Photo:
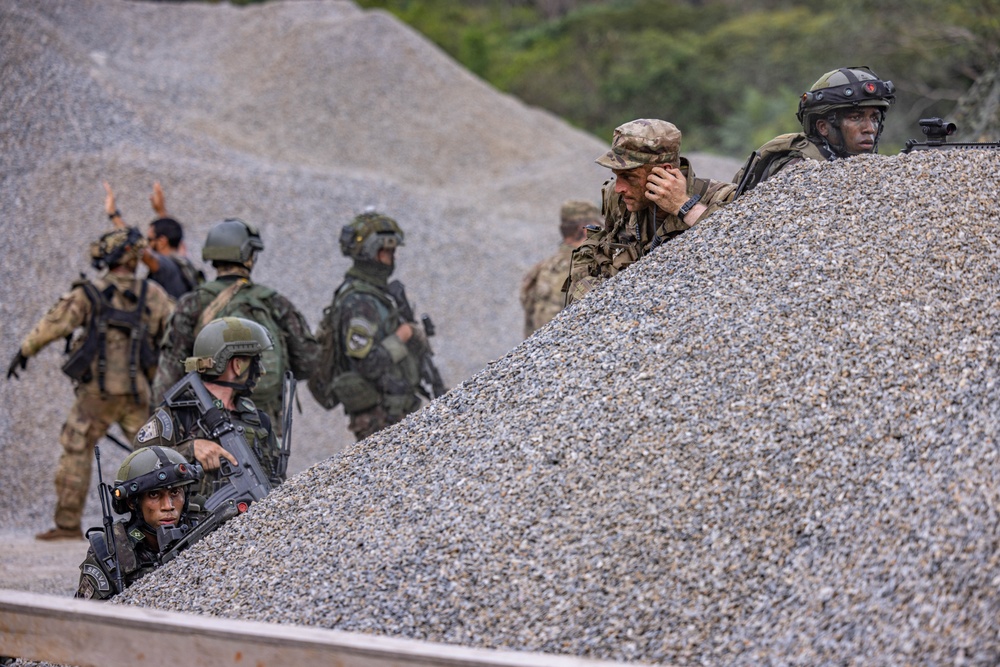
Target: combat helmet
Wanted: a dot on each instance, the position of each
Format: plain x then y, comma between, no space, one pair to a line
847,87
234,241
117,247
368,233
147,469
222,339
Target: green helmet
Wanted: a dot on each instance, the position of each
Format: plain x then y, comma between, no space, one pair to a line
368,233
844,88
222,339
232,240
147,469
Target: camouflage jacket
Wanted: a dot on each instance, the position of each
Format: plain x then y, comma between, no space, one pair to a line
135,558
177,428
627,237
367,317
541,289
294,342
73,311
775,155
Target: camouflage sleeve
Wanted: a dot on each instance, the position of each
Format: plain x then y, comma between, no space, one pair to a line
161,309
368,348
178,342
70,312
585,266
302,346
163,430
716,195
95,583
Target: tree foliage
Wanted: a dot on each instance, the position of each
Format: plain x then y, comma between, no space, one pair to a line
727,72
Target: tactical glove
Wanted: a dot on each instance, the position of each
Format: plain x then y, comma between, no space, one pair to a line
18,360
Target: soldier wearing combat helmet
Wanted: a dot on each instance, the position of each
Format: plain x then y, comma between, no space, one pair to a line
375,349
842,115
541,289
654,197
227,358
152,486
119,321
232,246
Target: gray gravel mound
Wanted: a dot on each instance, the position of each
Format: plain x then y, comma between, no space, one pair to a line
294,116
774,441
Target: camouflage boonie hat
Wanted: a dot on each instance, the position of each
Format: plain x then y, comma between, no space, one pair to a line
117,247
643,141
579,212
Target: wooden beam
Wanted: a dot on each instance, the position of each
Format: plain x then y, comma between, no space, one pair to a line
85,633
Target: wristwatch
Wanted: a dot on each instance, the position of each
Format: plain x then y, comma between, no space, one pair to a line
688,205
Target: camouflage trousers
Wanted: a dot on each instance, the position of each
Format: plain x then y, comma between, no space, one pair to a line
88,420
363,424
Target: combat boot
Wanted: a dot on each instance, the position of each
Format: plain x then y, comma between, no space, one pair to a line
58,533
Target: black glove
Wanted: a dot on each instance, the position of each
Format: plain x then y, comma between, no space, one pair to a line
18,360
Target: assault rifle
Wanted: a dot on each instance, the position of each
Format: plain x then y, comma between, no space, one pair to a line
429,374
241,485
287,399
111,560
937,132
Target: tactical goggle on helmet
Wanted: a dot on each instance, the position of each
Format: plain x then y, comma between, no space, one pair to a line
368,233
844,87
148,469
116,247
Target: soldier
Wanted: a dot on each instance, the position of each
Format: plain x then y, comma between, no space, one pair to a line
232,246
841,115
541,290
227,357
152,487
654,197
167,266
376,352
122,320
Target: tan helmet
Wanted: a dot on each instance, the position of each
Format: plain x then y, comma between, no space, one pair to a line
117,247
844,88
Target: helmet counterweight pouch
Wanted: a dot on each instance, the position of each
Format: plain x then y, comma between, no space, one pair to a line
355,392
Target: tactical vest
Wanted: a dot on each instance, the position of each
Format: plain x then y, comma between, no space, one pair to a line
253,302
773,156
334,381
80,365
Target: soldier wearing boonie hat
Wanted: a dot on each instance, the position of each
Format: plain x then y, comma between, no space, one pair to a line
654,197
541,289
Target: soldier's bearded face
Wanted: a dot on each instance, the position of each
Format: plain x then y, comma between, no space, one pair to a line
631,185
162,507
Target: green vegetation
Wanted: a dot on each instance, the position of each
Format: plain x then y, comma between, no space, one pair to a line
727,72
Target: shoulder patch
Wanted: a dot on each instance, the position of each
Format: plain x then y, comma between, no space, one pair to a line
246,405
136,535
360,337
93,572
148,431
166,425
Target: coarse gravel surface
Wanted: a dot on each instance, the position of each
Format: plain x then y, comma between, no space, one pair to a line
295,116
773,441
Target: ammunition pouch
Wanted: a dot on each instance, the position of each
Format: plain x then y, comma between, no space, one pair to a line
355,392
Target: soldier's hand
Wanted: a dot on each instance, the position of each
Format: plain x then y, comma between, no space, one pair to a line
110,207
18,360
208,453
667,188
404,332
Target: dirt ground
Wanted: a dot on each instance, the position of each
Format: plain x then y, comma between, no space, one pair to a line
27,564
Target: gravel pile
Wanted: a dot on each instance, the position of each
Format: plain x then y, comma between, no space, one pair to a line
294,116
774,441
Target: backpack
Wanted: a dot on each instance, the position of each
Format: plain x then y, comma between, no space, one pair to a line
331,383
246,299
772,157
103,315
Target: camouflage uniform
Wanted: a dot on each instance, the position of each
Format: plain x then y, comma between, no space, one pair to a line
367,318
177,428
627,237
95,410
293,340
542,294
96,582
